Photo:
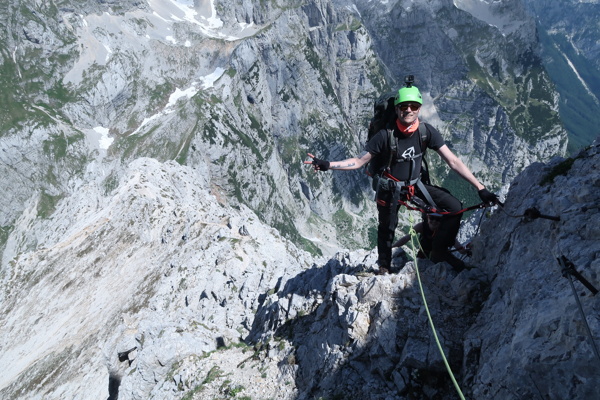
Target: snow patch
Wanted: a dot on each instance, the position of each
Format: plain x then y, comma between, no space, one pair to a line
105,141
484,11
14,57
178,94
581,80
203,14
108,53
209,80
169,108
206,82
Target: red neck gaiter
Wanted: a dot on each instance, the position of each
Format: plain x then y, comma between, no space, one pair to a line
408,130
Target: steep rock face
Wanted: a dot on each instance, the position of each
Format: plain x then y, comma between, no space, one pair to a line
538,336
357,335
510,328
168,278
306,93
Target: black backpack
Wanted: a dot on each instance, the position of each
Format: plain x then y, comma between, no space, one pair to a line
384,114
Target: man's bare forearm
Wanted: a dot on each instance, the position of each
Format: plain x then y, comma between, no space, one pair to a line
346,164
351,163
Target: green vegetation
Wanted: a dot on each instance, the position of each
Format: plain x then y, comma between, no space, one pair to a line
285,225
462,190
4,234
182,156
47,204
376,75
159,95
343,221
372,234
56,147
354,25
231,72
25,81
213,374
110,183
527,100
560,169
61,94
315,61
127,146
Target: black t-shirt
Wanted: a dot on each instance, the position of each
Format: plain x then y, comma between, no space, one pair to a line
406,165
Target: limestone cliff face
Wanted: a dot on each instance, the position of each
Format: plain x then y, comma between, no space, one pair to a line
253,91
531,319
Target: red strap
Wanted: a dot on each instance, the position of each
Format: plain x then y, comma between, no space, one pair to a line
411,191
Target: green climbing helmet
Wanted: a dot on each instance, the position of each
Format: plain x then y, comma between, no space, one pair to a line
408,94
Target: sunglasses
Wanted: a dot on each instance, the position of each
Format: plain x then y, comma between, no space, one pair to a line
412,106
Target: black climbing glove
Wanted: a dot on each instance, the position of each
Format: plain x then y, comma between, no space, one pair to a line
488,197
320,165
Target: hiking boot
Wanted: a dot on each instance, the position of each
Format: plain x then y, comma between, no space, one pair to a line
384,267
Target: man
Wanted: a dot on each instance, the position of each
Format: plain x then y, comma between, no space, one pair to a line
400,173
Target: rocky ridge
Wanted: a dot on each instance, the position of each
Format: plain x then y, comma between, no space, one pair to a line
177,295
160,265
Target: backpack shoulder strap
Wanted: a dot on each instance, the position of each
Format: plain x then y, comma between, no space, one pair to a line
424,137
393,147
424,134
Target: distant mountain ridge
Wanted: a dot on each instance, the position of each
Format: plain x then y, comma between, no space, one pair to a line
171,80
571,55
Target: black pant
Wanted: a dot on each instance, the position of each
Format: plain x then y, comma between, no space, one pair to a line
388,221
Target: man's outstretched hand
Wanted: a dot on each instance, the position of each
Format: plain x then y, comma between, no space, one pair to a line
318,165
489,198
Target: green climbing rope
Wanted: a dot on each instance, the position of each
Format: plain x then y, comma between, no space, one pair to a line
413,238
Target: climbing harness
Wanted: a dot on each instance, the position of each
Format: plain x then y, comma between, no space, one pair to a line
569,271
413,237
403,194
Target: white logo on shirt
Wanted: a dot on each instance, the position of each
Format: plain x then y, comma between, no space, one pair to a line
409,153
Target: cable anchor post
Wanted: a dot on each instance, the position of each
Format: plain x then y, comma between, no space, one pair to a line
533,213
569,271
